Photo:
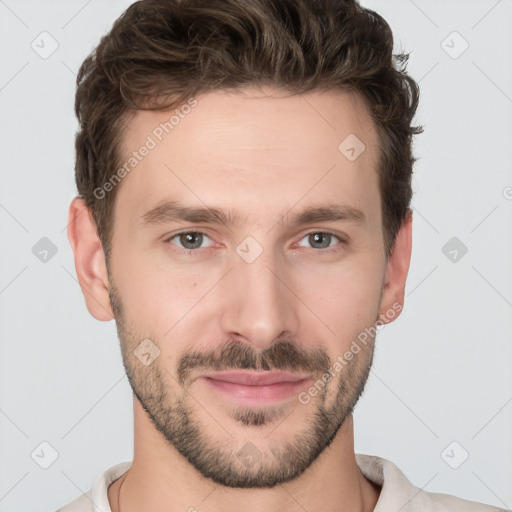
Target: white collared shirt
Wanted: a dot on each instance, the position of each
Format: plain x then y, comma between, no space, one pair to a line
397,493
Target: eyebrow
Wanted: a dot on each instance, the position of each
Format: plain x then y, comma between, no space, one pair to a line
172,211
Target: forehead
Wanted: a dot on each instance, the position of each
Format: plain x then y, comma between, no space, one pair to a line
251,147
256,115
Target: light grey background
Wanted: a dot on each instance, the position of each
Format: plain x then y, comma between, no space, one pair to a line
442,372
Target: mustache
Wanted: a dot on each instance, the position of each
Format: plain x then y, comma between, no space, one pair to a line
282,355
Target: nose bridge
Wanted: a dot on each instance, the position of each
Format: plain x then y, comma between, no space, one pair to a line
259,307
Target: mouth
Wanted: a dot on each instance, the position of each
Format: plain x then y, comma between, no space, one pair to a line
256,386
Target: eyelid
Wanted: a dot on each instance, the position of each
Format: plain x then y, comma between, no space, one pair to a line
169,238
341,238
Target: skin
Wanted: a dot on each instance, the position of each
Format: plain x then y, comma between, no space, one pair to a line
266,155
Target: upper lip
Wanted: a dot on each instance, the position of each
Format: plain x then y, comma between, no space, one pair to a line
258,378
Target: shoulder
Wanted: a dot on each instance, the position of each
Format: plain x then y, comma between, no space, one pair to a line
397,493
96,499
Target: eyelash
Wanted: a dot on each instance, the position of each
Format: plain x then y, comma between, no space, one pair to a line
192,252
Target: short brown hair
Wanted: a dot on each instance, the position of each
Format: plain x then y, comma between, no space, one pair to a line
159,53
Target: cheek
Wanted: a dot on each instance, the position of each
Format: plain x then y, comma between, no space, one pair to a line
345,296
158,296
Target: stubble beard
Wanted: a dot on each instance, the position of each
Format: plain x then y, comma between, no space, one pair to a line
234,462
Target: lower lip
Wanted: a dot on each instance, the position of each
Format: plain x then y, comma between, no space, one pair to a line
256,394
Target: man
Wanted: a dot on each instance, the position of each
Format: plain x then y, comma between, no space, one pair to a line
244,178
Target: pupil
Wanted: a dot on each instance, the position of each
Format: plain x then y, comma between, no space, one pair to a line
187,240
321,239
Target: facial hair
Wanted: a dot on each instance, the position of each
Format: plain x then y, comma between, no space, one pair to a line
172,408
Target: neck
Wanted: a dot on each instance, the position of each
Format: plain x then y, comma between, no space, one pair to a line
160,479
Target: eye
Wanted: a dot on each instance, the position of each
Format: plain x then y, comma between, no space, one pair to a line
321,240
189,240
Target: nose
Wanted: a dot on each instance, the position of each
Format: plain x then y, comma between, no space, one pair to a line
258,306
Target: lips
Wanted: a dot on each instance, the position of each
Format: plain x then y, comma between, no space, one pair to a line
259,378
255,387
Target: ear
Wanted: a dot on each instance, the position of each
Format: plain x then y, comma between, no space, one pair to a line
90,264
392,301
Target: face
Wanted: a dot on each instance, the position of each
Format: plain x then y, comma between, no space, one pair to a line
247,243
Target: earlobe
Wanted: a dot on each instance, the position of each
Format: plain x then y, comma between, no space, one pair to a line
396,273
89,259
